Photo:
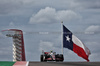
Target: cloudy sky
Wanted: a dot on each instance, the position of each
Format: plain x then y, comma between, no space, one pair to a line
40,20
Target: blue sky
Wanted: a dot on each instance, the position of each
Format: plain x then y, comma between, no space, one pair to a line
41,24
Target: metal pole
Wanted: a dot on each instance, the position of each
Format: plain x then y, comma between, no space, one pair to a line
62,36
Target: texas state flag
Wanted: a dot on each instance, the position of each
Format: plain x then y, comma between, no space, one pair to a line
71,42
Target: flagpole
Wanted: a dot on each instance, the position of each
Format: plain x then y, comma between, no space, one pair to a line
62,36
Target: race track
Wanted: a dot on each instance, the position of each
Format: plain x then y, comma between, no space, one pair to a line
64,64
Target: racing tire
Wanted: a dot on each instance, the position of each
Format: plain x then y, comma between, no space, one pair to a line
59,56
41,58
62,57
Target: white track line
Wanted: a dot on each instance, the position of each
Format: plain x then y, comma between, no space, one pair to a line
27,63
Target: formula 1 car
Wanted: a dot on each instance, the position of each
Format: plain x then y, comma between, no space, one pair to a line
51,56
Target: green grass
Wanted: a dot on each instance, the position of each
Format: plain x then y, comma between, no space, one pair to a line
6,63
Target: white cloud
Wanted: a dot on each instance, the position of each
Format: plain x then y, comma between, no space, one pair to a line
50,15
93,28
44,15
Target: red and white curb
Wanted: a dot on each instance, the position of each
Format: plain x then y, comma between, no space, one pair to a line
21,63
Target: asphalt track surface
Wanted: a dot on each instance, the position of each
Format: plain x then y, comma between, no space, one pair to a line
64,64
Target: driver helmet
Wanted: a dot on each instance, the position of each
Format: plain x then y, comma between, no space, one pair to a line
51,51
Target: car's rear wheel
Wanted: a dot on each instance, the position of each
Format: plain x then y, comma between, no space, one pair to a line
57,56
41,58
62,57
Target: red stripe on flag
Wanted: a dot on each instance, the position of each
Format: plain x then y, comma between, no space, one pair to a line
80,52
20,63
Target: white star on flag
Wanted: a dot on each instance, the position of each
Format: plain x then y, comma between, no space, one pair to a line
67,38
